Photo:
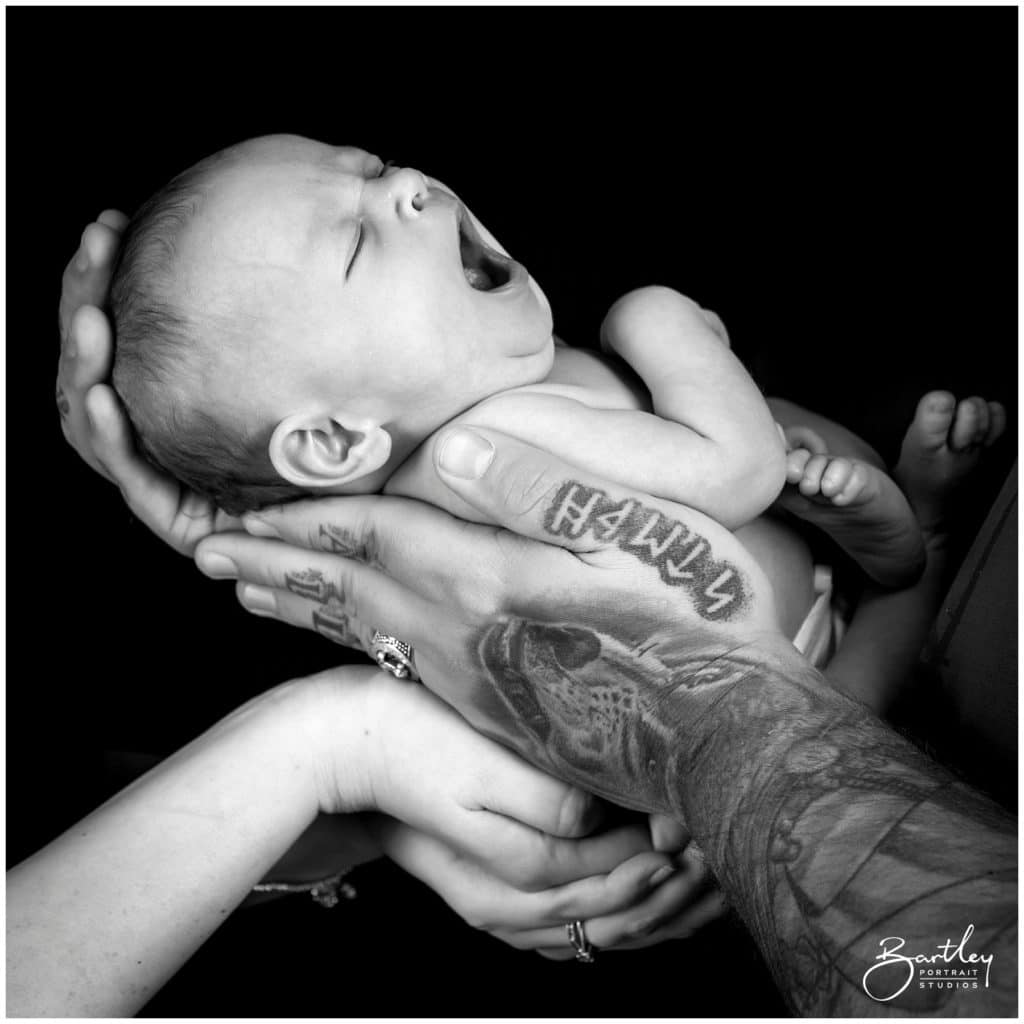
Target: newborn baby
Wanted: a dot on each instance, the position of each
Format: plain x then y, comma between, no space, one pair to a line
297,318
294,318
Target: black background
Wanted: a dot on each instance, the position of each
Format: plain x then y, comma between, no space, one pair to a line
838,184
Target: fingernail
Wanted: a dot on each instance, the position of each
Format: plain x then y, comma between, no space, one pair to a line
465,454
258,599
661,874
218,567
259,527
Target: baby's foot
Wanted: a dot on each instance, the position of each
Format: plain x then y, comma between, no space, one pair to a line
940,450
859,507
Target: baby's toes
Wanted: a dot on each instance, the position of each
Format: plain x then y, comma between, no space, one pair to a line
810,482
795,462
854,485
970,424
933,419
996,423
836,476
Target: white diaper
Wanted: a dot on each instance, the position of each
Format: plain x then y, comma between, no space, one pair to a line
819,634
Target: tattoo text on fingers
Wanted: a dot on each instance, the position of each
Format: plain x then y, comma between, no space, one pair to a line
682,556
329,620
340,541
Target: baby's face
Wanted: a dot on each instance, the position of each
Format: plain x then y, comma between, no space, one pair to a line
357,284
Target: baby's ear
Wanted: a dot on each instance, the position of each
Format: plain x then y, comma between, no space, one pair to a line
324,451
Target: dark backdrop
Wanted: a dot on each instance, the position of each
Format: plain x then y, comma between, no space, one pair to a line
838,184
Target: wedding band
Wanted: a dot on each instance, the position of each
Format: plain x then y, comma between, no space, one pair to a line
392,655
578,941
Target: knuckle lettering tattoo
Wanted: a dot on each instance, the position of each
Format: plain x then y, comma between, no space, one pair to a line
340,541
682,557
330,619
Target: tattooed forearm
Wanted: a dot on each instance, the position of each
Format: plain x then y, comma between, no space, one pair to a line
828,831
682,557
330,619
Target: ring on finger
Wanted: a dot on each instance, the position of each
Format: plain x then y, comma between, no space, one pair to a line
578,940
393,655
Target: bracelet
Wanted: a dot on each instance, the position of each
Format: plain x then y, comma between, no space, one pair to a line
325,891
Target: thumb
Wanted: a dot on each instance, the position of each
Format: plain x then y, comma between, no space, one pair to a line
523,489
536,495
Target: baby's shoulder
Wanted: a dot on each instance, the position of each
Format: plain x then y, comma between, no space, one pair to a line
589,378
568,415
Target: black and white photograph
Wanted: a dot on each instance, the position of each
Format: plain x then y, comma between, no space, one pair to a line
512,512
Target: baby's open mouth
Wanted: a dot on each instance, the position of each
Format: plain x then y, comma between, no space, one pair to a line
485,269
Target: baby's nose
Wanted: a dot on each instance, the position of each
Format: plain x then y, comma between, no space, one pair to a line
407,188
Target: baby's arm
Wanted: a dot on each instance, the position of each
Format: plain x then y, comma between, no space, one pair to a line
716,446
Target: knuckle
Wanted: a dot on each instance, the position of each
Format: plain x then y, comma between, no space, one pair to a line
522,491
528,875
574,813
562,906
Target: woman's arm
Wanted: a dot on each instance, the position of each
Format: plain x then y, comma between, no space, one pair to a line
102,917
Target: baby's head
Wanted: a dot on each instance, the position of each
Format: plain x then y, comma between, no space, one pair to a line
293,317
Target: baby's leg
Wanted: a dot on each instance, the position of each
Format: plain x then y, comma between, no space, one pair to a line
940,451
836,481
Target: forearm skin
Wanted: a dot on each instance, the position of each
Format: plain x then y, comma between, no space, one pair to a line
828,832
99,919
831,834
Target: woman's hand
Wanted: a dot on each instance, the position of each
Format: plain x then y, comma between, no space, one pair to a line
93,420
408,755
643,901
565,651
503,843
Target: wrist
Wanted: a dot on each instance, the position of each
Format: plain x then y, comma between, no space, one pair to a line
330,719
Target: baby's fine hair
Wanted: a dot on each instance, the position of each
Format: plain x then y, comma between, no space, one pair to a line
160,353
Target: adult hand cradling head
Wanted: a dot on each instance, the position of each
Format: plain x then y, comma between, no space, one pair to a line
564,638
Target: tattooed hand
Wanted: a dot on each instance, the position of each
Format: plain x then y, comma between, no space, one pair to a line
634,652
636,587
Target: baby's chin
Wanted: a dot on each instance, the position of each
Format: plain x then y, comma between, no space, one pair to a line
531,367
